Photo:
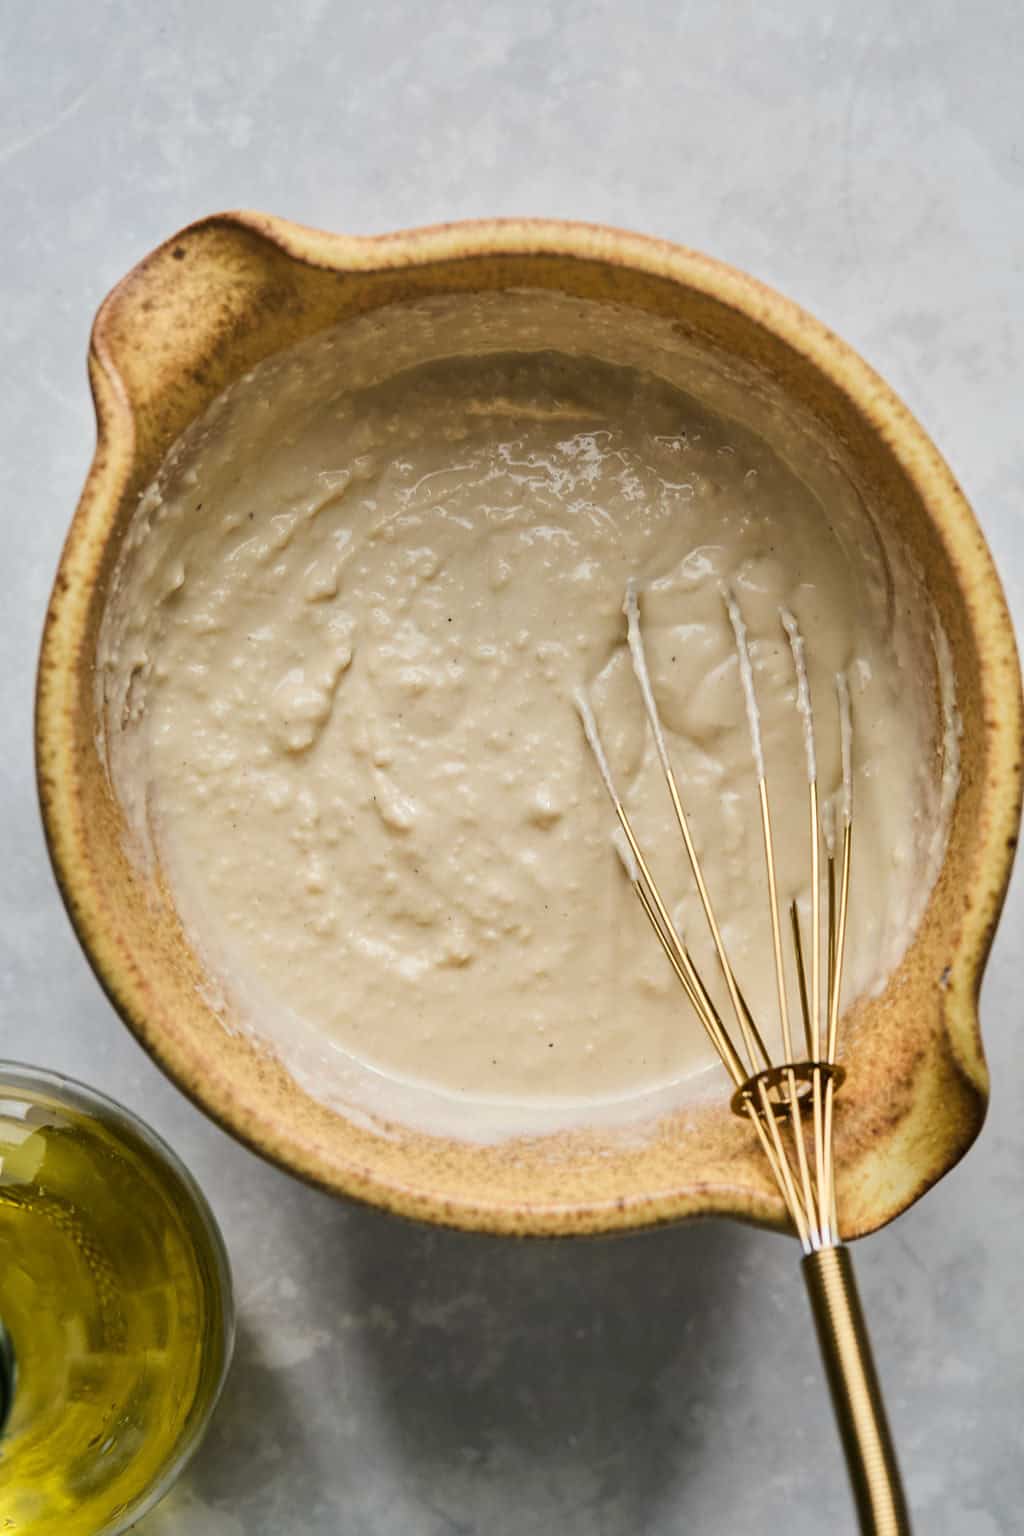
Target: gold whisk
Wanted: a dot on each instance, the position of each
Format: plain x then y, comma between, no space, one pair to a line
790,1103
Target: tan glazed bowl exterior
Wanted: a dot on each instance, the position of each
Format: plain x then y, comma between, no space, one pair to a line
229,291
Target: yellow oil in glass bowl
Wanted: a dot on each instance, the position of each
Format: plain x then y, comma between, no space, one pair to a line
115,1295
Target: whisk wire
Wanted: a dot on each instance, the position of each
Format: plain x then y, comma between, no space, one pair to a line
653,904
709,1018
838,944
666,931
814,1032
773,910
838,926
767,1115
754,1044
801,979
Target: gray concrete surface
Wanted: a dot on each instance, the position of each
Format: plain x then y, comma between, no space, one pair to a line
867,159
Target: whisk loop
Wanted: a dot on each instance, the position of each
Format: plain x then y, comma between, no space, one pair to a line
774,1095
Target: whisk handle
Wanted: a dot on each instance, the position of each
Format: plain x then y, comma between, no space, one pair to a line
856,1394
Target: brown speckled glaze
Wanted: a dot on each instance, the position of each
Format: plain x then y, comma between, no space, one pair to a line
229,291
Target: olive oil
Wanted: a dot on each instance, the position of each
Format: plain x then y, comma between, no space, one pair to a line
115,1297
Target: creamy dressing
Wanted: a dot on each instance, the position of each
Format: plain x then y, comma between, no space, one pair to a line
339,672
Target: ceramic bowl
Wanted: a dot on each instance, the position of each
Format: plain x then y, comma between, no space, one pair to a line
233,289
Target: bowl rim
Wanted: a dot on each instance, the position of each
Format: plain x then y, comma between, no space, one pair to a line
842,367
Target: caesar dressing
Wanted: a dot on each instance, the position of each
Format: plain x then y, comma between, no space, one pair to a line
339,668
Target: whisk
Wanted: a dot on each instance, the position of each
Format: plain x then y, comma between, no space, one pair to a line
790,1102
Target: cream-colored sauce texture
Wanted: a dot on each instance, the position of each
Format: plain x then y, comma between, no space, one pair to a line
337,675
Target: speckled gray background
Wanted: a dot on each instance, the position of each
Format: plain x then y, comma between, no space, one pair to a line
867,159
